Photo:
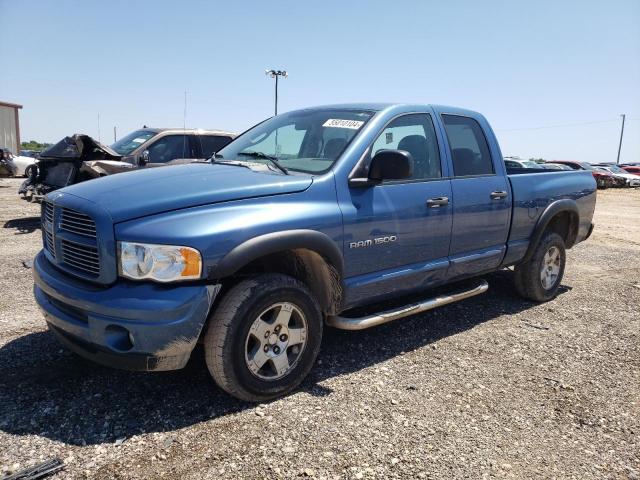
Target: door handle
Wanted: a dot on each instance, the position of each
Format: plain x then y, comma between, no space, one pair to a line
437,202
498,195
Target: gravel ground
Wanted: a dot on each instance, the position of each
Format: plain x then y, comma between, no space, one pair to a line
490,387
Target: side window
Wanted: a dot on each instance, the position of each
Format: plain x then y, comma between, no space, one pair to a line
415,134
169,148
469,148
212,143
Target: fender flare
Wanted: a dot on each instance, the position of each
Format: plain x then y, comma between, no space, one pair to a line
275,242
553,209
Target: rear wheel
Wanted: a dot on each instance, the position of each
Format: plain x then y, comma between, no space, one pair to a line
539,278
263,337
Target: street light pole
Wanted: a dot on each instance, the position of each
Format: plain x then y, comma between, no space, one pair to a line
620,144
275,74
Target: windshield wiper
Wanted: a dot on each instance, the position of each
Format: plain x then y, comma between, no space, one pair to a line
263,155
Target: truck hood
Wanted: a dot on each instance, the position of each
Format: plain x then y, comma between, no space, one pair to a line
154,190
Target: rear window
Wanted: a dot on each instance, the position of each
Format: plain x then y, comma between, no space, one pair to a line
469,148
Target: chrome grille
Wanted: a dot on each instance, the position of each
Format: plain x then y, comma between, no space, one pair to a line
78,223
81,257
48,243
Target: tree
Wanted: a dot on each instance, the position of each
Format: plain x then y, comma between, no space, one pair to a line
33,145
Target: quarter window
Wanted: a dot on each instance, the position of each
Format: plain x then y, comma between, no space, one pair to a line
212,143
469,148
415,134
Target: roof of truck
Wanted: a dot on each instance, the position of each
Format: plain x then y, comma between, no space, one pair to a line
377,106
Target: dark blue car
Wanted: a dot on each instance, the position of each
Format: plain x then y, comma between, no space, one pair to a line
289,228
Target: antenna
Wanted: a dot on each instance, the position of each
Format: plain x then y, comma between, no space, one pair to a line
184,117
184,126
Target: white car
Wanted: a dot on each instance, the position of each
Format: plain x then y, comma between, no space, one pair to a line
630,179
512,162
22,163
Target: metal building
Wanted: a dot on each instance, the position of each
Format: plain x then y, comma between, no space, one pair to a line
10,126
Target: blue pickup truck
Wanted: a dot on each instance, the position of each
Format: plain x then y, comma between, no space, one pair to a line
293,226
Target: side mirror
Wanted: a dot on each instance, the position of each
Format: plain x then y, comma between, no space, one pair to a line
391,165
144,158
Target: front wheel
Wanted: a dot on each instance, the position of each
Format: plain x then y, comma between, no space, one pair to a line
263,337
539,278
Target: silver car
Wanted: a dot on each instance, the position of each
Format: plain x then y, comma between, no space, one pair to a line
153,147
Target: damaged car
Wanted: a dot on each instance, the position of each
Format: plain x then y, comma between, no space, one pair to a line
80,157
7,165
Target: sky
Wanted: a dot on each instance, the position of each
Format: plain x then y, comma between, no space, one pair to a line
551,77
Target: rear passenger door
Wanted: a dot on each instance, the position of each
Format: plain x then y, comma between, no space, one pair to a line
481,198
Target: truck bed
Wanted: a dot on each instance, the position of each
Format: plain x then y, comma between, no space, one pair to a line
533,190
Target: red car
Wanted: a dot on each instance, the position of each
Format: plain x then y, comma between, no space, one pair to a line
631,169
603,179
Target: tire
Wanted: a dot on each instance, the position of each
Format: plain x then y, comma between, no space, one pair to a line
530,281
243,326
30,171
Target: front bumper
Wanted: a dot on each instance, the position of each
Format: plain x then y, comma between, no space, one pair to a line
130,325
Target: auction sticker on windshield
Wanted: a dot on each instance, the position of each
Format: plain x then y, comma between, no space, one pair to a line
340,123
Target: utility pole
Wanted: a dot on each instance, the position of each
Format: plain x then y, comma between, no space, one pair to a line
115,137
275,74
99,127
620,144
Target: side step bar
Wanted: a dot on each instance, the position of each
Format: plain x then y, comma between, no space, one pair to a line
346,323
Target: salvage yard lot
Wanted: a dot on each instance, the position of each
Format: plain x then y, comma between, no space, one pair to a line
492,386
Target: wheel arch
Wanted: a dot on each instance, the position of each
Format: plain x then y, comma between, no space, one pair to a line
308,255
562,217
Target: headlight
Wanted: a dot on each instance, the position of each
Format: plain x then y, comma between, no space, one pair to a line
162,263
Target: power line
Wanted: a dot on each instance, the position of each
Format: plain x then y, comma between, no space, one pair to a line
558,125
595,122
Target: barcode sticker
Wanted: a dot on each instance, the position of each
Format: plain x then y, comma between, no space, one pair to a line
340,123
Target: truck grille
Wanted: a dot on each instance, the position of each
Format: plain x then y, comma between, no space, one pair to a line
48,243
81,257
70,238
76,222
48,212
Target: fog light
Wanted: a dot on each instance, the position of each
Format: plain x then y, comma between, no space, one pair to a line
118,338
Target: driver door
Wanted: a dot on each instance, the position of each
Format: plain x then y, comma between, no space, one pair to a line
397,233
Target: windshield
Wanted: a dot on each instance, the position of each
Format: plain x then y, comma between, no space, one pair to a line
617,169
128,144
307,141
